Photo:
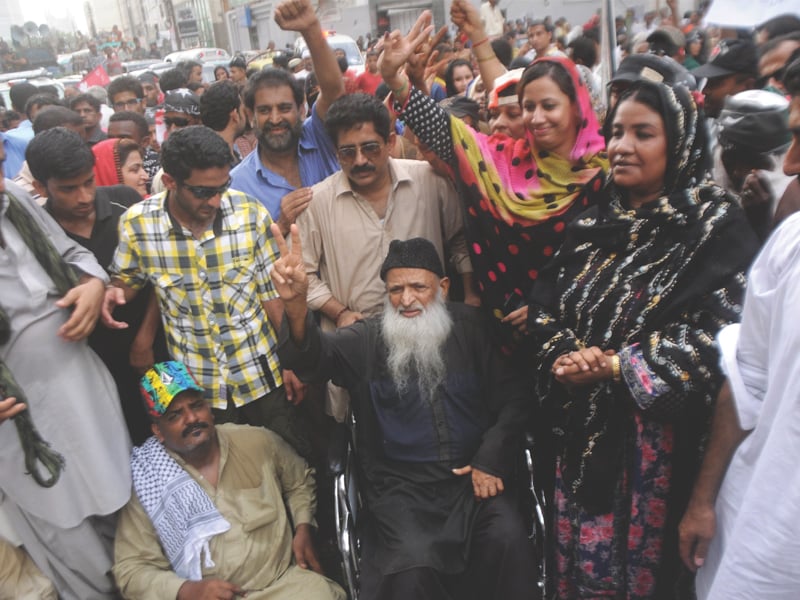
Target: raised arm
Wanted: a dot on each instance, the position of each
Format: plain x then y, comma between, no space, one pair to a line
465,16
299,16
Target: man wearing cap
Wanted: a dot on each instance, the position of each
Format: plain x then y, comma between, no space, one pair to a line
292,154
217,512
753,137
741,530
732,68
439,417
207,252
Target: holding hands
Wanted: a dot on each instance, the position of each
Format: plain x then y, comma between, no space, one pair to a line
586,366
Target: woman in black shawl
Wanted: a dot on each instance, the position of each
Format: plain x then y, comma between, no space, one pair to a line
625,318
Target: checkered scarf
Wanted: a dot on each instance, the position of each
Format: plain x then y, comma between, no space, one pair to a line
183,515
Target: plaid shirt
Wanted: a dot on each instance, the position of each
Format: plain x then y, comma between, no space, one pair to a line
210,291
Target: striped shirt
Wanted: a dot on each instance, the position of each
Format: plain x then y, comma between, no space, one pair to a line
210,291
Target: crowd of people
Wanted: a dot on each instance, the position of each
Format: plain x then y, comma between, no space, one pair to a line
475,239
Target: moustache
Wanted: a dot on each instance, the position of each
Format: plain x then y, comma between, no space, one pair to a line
362,169
193,427
268,127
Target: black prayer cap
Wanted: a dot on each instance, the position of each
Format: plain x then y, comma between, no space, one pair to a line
416,253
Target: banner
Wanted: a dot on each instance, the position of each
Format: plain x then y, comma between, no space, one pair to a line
747,13
98,76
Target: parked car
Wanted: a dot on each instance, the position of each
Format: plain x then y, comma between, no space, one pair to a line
198,54
38,77
337,41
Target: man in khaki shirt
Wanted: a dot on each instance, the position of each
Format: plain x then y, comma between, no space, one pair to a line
356,213
223,531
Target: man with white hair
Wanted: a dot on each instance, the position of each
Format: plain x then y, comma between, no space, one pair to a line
440,417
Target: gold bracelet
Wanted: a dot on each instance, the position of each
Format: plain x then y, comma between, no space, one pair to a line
616,369
485,58
402,89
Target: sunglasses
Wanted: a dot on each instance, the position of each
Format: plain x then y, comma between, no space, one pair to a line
370,150
123,104
176,121
202,192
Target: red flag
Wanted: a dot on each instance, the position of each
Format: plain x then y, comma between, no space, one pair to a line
98,76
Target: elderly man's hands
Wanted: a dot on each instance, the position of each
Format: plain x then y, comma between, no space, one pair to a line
303,549
87,298
483,484
289,272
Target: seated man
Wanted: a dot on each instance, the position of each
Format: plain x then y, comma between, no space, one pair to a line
433,404
208,517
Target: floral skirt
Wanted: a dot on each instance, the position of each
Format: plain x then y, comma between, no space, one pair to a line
619,554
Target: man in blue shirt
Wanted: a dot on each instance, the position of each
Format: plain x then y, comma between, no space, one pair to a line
292,155
16,140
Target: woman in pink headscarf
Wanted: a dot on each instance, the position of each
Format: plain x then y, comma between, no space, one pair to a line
119,161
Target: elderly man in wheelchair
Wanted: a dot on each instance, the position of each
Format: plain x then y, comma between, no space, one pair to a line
440,420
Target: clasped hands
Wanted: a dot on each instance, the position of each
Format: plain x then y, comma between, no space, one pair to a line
582,367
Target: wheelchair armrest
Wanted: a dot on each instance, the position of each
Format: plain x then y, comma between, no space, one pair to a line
337,449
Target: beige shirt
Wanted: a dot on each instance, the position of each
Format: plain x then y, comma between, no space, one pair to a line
346,243
492,19
258,472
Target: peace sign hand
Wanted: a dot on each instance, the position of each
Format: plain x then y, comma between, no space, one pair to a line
289,271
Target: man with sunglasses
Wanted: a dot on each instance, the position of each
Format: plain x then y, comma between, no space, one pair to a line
207,251
358,211
181,109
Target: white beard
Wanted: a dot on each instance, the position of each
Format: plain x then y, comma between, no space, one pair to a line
415,344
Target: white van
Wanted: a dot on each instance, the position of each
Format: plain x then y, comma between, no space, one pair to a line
355,59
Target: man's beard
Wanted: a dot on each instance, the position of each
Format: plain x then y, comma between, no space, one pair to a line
415,345
283,142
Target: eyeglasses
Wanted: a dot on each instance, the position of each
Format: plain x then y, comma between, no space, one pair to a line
202,192
122,104
176,121
370,150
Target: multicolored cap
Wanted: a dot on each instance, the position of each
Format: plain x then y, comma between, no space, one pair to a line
162,383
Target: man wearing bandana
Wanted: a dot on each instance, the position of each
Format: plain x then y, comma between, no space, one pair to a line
181,109
217,512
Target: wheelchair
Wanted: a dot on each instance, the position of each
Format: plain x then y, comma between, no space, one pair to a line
347,505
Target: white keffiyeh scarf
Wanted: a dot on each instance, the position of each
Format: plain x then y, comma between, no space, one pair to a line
183,515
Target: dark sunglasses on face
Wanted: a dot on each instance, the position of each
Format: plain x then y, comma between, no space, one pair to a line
176,121
370,150
202,192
